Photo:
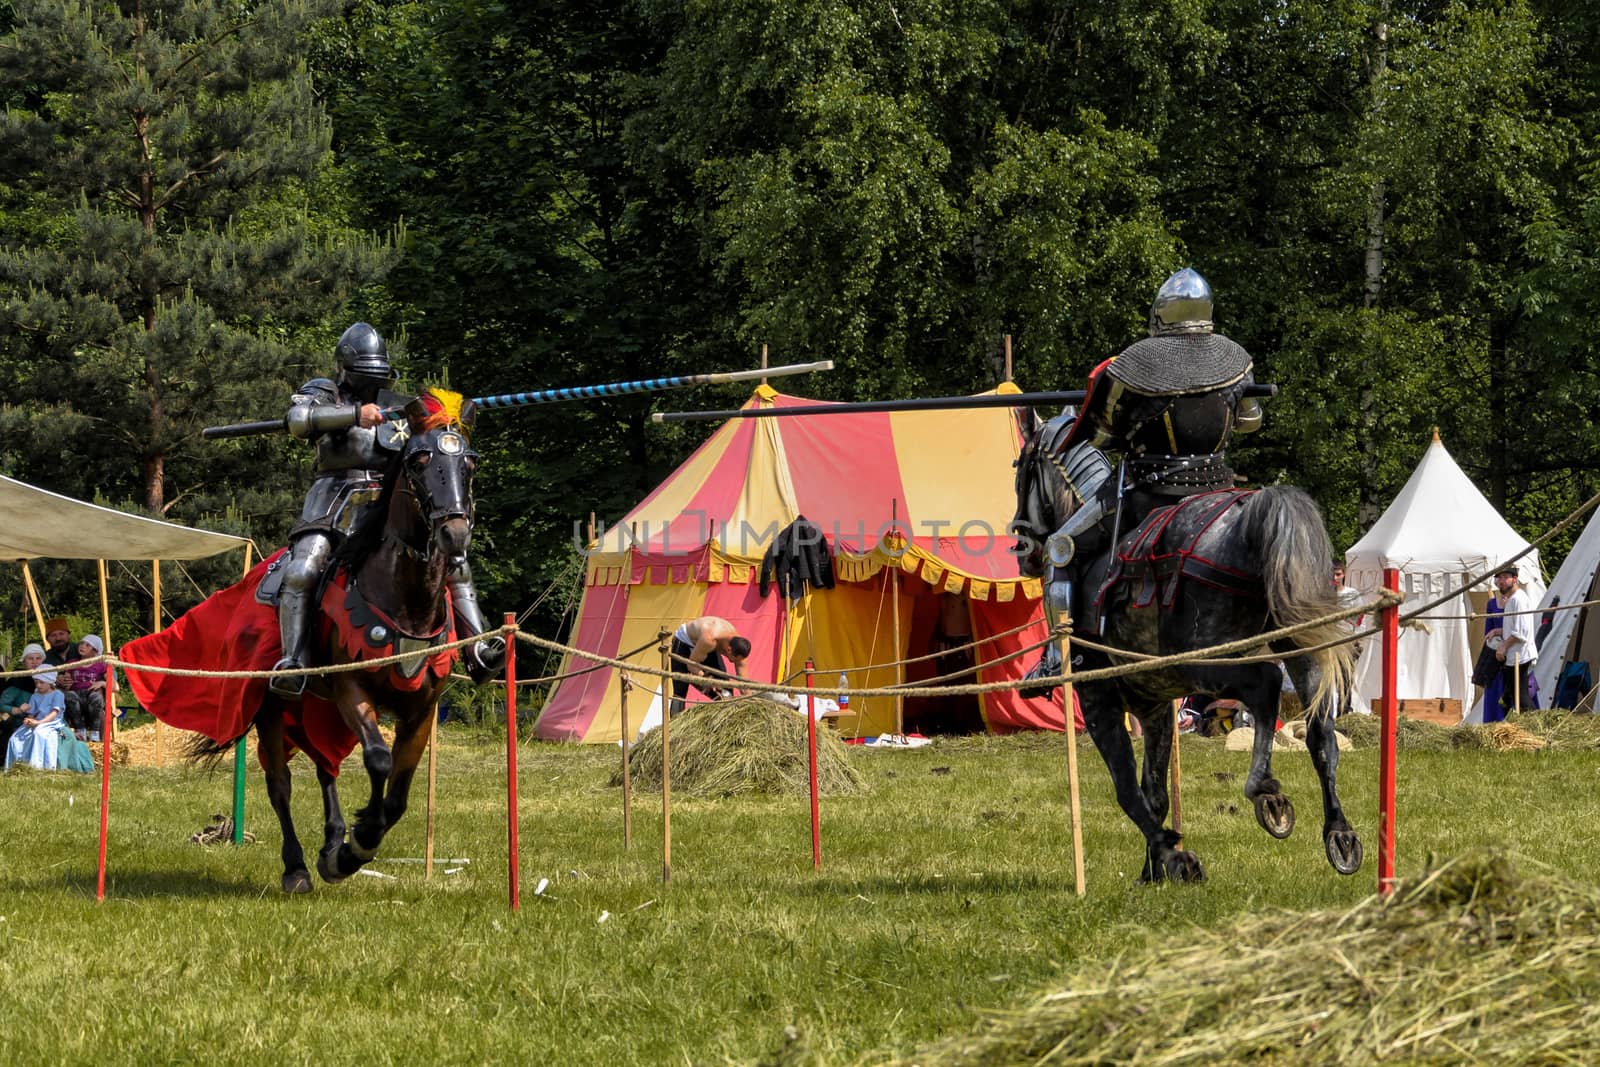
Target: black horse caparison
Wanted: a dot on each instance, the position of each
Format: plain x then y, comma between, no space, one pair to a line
1274,542
396,563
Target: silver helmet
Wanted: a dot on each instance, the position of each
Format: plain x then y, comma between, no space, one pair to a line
363,360
1182,305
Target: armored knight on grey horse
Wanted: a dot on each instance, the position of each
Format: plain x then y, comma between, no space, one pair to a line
344,422
1167,405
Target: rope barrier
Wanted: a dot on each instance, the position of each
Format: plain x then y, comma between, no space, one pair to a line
1137,662
511,632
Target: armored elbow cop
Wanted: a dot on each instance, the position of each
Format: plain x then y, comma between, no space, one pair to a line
306,420
1247,417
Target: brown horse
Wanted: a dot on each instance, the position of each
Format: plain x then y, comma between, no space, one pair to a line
387,593
393,598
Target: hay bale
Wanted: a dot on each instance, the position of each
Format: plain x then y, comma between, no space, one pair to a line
743,746
1471,963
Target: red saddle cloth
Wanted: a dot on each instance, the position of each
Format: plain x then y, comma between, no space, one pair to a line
1153,561
232,631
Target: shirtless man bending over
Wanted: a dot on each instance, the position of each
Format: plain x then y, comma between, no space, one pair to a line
709,643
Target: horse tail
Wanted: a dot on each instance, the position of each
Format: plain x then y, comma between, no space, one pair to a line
209,751
1284,528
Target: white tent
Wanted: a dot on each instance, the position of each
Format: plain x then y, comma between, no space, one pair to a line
1574,635
47,524
1440,533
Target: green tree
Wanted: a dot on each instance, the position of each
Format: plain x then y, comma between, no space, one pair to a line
167,253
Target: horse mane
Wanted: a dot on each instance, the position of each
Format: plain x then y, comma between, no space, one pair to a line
368,534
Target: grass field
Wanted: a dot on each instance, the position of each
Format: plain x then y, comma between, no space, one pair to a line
946,891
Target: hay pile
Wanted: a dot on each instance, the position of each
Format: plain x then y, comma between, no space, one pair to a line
1497,737
1577,730
1411,735
1528,732
743,746
1474,963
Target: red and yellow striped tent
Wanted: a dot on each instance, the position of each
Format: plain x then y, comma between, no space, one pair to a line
694,546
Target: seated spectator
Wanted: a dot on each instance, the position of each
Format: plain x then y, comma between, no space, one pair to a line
37,741
58,641
14,700
85,691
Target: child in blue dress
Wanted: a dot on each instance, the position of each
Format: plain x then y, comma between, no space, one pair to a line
38,740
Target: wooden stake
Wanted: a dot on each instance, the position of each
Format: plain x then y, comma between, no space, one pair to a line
155,595
433,770
666,760
811,764
894,595
513,850
1177,774
1065,645
627,783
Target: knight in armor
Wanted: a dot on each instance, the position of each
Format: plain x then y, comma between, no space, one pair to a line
343,420
1167,406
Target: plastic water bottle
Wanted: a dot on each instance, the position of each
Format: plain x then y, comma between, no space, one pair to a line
844,693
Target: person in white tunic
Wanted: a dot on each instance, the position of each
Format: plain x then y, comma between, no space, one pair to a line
1518,649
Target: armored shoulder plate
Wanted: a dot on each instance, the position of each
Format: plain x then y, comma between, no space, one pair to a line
318,391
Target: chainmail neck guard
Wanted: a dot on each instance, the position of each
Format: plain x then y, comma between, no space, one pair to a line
1182,363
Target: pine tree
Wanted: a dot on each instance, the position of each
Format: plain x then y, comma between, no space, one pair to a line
166,244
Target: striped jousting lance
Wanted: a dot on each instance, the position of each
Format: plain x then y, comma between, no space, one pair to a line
552,396
921,403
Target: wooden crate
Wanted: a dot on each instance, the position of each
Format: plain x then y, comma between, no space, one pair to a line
1441,711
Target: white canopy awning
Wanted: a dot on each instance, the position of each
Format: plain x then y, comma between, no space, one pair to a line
42,524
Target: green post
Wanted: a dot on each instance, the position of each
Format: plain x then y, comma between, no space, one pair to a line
238,792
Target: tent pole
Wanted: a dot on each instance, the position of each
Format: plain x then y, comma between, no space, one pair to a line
894,615
105,736
33,598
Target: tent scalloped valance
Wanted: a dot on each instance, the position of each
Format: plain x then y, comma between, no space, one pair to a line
712,564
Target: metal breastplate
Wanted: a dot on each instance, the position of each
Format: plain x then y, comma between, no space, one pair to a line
350,468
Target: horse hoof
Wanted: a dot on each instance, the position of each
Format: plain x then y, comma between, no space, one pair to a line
1184,867
1275,813
328,868
297,881
1344,851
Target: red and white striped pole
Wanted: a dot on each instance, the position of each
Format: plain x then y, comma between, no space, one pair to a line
1389,725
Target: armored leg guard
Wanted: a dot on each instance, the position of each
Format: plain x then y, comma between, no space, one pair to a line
1057,598
482,659
307,558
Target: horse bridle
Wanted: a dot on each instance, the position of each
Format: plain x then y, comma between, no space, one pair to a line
446,497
